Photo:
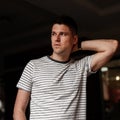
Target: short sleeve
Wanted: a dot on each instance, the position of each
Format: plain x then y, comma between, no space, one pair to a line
84,65
25,81
89,59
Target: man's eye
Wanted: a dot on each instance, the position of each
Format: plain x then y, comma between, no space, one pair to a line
52,34
63,34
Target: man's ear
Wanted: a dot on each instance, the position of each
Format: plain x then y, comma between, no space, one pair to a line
75,44
75,40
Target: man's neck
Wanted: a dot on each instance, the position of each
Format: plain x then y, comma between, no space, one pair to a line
60,58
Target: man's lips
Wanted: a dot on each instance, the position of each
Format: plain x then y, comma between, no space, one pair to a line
56,44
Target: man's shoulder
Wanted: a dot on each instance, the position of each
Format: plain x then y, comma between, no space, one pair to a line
38,60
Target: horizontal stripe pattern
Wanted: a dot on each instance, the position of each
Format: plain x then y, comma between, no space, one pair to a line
58,90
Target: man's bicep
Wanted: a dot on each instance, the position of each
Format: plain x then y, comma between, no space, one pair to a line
99,60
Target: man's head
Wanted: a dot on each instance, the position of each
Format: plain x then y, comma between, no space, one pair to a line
68,21
64,36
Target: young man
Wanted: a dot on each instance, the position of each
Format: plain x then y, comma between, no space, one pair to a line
56,84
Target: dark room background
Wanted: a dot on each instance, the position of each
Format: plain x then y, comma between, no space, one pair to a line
25,35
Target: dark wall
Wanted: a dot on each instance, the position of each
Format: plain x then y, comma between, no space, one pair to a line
95,98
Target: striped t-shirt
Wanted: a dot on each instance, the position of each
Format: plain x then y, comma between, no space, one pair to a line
58,89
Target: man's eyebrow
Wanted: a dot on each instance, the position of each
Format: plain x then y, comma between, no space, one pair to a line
64,32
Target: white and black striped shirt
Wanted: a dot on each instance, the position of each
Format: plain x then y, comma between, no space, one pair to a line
58,89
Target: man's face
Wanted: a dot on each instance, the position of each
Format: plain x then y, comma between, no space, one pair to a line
62,39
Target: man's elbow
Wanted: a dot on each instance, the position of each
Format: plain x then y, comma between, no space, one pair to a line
17,115
114,46
14,116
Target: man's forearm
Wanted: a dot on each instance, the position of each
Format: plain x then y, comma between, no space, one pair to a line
99,45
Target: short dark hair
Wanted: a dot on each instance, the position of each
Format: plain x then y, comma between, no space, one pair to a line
66,20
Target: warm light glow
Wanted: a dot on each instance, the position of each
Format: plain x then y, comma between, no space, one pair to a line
104,69
117,78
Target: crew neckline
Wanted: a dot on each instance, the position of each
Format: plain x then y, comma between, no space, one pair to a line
57,60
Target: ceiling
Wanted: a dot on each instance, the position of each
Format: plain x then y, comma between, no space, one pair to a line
24,24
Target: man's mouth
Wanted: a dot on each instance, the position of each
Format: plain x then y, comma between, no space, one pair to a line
57,45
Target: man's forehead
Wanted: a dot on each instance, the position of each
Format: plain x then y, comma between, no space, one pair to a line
60,27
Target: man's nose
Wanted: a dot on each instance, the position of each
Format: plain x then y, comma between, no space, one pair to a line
58,37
